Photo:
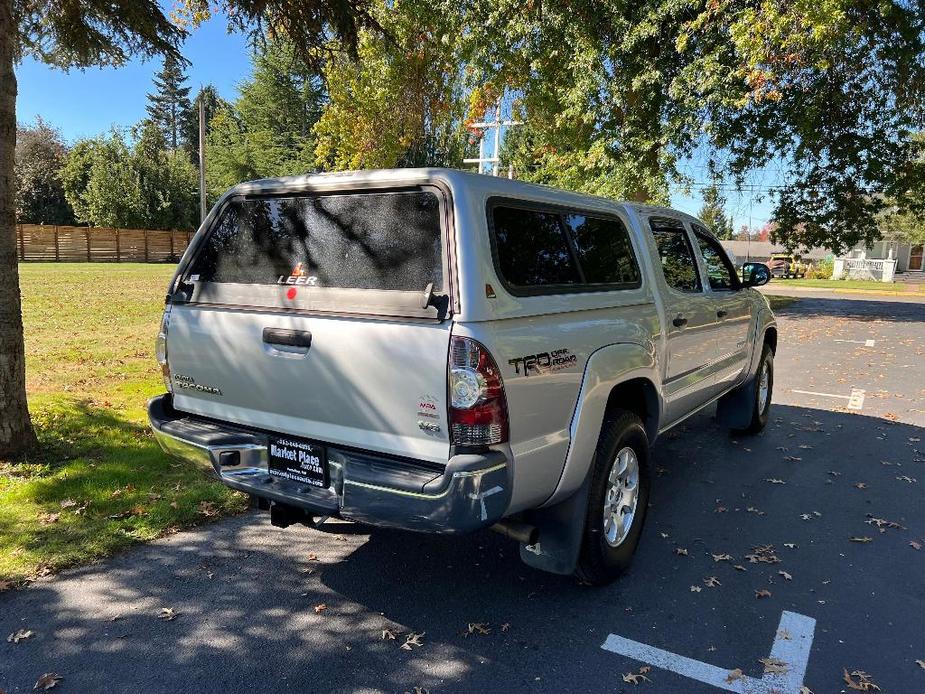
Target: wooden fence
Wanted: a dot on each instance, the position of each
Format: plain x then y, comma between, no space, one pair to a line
53,243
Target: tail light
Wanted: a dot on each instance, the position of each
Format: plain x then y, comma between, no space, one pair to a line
160,349
478,407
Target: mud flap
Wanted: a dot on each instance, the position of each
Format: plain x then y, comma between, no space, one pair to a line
734,410
561,528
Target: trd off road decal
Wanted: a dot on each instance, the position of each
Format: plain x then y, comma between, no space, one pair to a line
543,362
298,276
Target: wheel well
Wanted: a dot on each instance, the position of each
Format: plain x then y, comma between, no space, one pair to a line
638,395
770,338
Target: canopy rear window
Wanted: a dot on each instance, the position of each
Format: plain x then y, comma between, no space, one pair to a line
350,252
359,241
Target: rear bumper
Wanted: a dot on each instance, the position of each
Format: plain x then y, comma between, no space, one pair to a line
471,492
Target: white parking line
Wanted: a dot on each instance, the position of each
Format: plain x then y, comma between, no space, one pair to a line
789,652
855,400
866,343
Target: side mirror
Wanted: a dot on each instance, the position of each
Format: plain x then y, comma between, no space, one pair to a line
755,274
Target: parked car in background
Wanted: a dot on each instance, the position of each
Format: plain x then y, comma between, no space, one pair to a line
787,266
441,352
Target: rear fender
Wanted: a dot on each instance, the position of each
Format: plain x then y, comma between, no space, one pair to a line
606,368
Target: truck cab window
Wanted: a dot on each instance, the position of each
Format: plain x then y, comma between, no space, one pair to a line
674,250
720,272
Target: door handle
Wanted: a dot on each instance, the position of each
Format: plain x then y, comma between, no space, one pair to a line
722,313
679,322
290,338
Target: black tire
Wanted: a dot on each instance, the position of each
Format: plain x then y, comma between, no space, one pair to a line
761,410
600,563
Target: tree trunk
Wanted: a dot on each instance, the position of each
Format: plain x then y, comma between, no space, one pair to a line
16,433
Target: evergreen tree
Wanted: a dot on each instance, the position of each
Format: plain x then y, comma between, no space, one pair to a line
713,213
212,102
169,105
268,130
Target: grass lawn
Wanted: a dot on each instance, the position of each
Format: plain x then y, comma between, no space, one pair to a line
778,302
850,284
98,481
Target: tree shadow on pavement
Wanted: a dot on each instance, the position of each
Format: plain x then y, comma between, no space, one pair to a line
249,595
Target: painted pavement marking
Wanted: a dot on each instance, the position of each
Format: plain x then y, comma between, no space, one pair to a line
791,646
866,343
855,400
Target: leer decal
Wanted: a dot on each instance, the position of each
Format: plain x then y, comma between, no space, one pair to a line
298,276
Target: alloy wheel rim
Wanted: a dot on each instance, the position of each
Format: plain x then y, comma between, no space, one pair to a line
764,387
622,497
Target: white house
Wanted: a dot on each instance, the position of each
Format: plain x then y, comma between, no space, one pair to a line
882,261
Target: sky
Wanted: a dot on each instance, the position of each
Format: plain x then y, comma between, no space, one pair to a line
84,103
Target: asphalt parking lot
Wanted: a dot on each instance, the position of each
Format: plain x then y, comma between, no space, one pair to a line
740,531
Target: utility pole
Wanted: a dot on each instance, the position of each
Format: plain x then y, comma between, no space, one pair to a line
494,160
202,158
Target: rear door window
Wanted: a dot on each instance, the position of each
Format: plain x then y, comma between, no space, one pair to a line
679,264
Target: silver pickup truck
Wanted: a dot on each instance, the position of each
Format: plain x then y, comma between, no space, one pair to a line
440,351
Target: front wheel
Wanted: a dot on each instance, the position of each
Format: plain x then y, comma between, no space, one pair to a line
764,388
618,498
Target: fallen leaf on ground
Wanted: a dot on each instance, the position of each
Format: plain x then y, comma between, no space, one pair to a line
711,582
207,509
739,567
775,481
860,681
859,485
312,556
479,628
412,640
920,663
861,539
787,577
20,635
774,665
696,589
49,518
882,524
67,503
680,551
48,680
635,678
734,675
320,608
722,557
505,627
915,545
168,614
388,634
806,690
763,593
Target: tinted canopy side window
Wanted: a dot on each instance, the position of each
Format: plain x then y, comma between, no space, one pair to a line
532,249
382,241
604,251
720,272
674,250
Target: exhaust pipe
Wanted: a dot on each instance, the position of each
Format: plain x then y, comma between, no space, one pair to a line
521,532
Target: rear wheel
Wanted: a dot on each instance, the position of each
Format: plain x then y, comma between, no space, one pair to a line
764,388
618,498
